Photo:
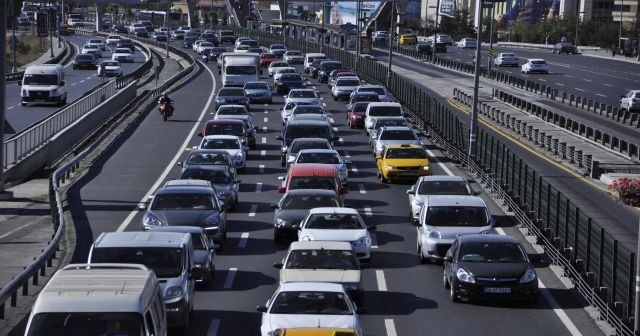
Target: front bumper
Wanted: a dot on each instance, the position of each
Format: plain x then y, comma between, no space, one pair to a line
399,174
485,290
177,313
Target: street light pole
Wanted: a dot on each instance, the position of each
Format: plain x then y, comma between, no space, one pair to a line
620,33
393,18
435,32
473,128
13,42
358,32
489,58
166,24
324,16
3,44
577,26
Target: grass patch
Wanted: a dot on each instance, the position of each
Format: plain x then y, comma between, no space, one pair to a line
27,50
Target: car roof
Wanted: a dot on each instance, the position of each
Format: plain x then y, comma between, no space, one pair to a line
536,59
317,192
318,245
487,238
318,150
368,93
311,286
311,169
141,239
455,200
443,178
336,210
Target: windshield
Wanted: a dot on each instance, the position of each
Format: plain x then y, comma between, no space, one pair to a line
360,107
240,70
268,56
232,110
309,145
166,262
324,158
367,98
216,176
256,86
285,70
397,135
322,259
303,202
314,303
327,67
122,51
508,55
308,109
496,252
291,77
351,82
222,158
385,111
406,153
313,182
303,94
225,129
443,188
183,201
456,216
250,43
334,222
229,92
538,62
378,90
278,46
221,144
32,79
83,324
306,132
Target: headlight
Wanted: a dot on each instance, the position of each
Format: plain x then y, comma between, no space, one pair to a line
306,238
198,265
529,276
388,167
363,241
211,222
54,92
425,168
151,220
173,292
433,234
281,222
465,276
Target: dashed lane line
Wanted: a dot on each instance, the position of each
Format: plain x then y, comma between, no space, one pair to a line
560,84
264,129
261,169
601,95
368,212
374,240
259,187
244,237
579,89
228,281
390,326
266,120
382,283
252,211
263,153
213,327
361,187
264,140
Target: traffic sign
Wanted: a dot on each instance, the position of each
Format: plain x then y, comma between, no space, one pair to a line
41,24
490,53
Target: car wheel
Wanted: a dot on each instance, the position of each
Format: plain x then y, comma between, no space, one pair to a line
453,293
277,236
335,98
445,281
23,104
383,179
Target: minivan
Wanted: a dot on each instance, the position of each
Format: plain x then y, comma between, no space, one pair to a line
303,129
99,299
377,110
310,57
43,83
312,176
170,255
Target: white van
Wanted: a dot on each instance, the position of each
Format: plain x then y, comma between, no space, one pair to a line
170,255
240,68
310,57
105,299
377,110
43,83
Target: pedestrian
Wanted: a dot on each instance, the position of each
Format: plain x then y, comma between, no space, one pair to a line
613,51
546,40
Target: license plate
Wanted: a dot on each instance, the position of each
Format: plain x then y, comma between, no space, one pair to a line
408,174
497,290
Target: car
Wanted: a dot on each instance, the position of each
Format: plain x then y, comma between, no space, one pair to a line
382,122
395,135
294,206
91,49
380,38
230,95
325,156
178,34
210,37
401,162
383,94
312,176
122,55
225,185
126,43
325,69
314,67
231,110
24,21
75,22
258,91
535,65
355,116
467,42
240,39
118,28
242,49
98,42
226,127
255,50
204,253
278,49
308,304
187,203
377,110
289,81
426,48
293,57
322,261
564,47
426,186
335,74
112,40
231,143
65,31
85,61
338,224
303,129
271,69
249,43
370,97
188,42
141,32
286,111
343,87
442,38
196,43
247,120
306,110
305,143
283,70
630,102
206,157
506,59
406,39
303,96
159,36
110,69
487,266
215,52
267,58
443,218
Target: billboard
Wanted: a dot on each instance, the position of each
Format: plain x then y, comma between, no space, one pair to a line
346,11
448,7
530,11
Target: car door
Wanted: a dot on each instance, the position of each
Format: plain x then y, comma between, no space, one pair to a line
624,102
448,266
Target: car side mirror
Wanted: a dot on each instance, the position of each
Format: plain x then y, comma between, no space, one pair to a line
410,192
179,163
415,222
448,258
281,189
277,265
261,309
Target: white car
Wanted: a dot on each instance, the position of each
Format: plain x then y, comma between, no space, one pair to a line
467,43
98,42
286,112
344,86
242,49
303,96
203,45
231,110
91,49
383,94
110,68
426,186
535,65
279,71
338,224
195,44
113,39
630,101
506,59
271,69
240,39
230,143
325,156
293,57
122,55
308,304
304,111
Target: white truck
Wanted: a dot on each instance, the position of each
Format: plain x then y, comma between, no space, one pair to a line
43,83
239,68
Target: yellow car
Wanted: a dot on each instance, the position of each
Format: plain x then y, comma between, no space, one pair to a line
315,332
408,39
402,162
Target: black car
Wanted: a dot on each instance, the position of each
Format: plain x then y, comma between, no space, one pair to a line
159,37
210,37
188,42
325,69
564,47
488,266
120,29
315,67
126,43
425,48
86,61
142,33
289,81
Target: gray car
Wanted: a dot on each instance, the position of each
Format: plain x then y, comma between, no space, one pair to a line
386,121
258,92
395,135
305,143
205,157
383,94
343,87
233,96
225,185
295,205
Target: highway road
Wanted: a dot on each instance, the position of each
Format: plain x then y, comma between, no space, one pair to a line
79,81
402,297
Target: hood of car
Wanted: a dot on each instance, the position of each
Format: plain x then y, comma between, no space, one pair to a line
495,270
333,235
201,257
293,216
281,321
233,152
320,275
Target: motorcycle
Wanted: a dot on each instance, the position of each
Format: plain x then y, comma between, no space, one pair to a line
205,57
166,110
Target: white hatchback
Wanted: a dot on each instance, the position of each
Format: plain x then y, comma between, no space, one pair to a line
535,65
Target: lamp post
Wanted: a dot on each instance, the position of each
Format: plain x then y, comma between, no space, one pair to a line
577,26
13,42
489,58
473,127
324,17
391,25
620,33
358,33
435,32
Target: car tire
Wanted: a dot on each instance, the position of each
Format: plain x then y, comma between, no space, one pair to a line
277,237
23,104
445,281
383,179
335,98
453,294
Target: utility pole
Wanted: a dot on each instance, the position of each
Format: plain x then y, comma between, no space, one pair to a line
473,128
490,54
435,33
324,17
3,36
13,42
358,33
393,19
620,33
166,24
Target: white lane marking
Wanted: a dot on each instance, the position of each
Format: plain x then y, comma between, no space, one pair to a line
266,111
568,76
264,129
261,169
259,187
82,81
266,119
324,104
244,237
601,95
354,169
179,153
10,107
213,327
587,80
442,165
374,240
361,187
367,211
321,98
252,211
228,281
263,153
579,89
542,80
335,129
382,283
17,229
560,84
72,84
341,140
390,326
265,104
607,84
347,154
314,87
264,140
88,78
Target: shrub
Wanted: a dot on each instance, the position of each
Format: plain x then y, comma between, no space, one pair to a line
628,190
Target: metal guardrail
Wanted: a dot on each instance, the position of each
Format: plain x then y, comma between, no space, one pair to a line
601,269
15,76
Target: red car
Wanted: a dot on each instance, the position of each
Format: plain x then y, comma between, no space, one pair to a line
266,59
355,116
334,77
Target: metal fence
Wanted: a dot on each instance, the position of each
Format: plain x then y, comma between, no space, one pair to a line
601,269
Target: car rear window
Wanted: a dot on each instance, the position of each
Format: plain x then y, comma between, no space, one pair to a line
385,111
456,216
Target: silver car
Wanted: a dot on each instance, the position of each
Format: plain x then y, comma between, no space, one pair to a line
395,135
386,121
343,87
303,96
427,186
258,92
206,157
325,156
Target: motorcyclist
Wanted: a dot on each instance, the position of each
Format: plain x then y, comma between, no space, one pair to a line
166,100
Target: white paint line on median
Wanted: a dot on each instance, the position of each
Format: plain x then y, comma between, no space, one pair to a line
382,283
560,84
259,187
252,211
361,187
264,140
266,119
261,169
263,153
72,84
244,237
390,326
607,84
374,240
10,107
228,281
367,211
213,327
579,89
587,80
601,95
542,80
442,165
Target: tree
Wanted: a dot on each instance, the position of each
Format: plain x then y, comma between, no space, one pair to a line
458,26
